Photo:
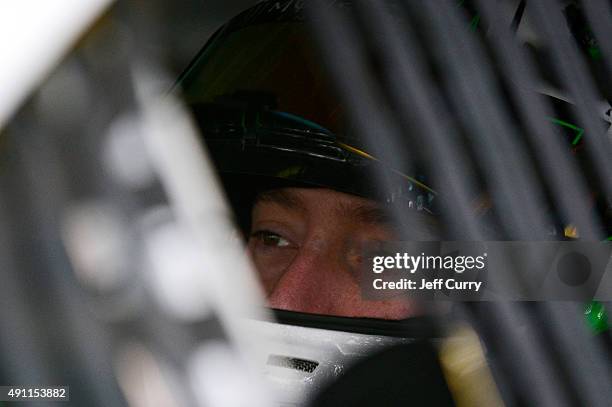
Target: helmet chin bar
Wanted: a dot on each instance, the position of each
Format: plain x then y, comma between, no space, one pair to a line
306,352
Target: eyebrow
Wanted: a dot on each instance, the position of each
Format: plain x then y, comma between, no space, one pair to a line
368,214
282,198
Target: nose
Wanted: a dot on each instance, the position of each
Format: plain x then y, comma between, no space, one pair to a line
313,282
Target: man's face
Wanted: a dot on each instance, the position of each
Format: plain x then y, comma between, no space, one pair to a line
305,244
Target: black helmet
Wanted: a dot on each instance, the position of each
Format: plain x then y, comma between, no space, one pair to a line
270,117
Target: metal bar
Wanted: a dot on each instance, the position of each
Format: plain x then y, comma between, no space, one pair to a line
506,313
558,165
485,116
360,94
519,70
415,99
473,90
572,70
599,15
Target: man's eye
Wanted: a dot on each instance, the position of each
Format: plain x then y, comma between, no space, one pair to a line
270,238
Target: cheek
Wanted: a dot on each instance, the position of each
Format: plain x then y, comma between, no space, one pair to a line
270,263
397,309
353,305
